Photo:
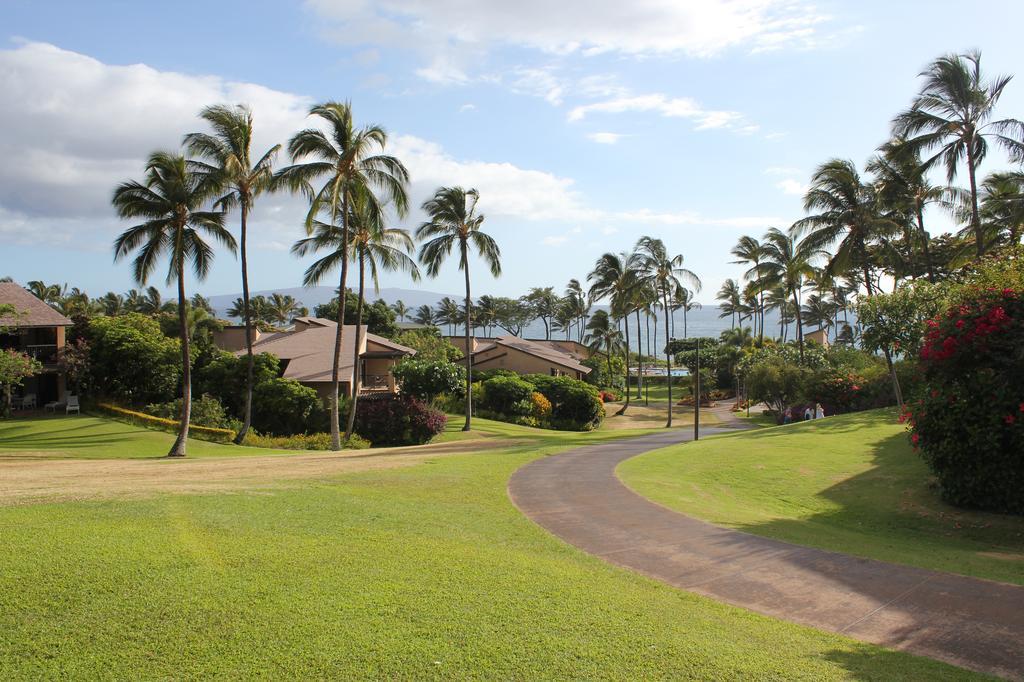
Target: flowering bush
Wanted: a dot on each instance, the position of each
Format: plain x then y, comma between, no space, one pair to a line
969,422
608,397
398,420
540,407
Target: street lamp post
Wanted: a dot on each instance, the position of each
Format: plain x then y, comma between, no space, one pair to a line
696,396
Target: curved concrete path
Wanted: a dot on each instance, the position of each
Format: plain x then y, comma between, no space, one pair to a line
973,623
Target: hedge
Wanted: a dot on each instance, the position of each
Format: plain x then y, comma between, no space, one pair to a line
170,425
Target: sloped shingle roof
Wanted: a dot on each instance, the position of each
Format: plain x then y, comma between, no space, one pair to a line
537,349
31,312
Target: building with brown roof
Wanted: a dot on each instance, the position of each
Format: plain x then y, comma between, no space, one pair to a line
526,356
307,354
37,330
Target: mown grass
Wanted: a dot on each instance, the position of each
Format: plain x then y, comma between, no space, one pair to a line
89,437
419,572
850,483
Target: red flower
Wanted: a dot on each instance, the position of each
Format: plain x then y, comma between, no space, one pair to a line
1022,407
1009,419
914,438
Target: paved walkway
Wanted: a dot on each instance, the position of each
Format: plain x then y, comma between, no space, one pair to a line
977,624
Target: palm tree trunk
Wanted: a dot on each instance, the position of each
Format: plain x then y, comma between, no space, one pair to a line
925,249
625,346
668,367
799,325
357,374
647,326
979,240
250,361
686,334
178,448
761,308
639,358
469,350
339,336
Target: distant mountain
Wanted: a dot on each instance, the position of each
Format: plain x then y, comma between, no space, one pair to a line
315,296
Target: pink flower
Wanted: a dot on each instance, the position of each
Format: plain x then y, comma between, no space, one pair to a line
1009,419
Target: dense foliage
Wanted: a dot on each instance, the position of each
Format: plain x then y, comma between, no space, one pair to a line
969,423
398,420
378,316
575,405
508,396
285,407
429,344
428,379
15,367
131,360
206,411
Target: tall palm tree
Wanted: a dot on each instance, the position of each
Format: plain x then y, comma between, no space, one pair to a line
682,299
453,223
788,261
749,250
665,274
1002,207
848,219
487,313
401,310
730,297
543,301
372,244
952,116
343,158
171,201
602,336
615,277
227,156
579,305
424,315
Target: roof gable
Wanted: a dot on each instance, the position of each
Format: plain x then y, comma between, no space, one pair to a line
31,312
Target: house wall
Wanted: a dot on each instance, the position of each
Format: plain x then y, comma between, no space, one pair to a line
233,338
460,342
502,357
323,389
379,367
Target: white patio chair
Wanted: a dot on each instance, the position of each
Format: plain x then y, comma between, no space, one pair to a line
72,405
29,401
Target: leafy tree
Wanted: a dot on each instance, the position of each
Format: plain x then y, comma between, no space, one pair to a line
427,379
776,383
429,345
171,201
131,360
453,223
343,159
952,116
15,367
227,157
225,375
511,314
285,407
378,316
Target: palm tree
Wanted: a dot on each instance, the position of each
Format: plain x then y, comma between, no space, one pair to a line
778,299
749,250
424,315
787,263
543,302
730,296
1002,207
113,304
448,313
602,336
486,313
664,274
48,293
343,159
952,115
227,156
281,308
682,299
614,277
151,302
848,216
401,310
820,312
200,302
455,222
579,305
171,201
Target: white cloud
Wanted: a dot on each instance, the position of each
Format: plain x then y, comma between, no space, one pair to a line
792,187
669,107
554,240
467,107
605,138
539,83
641,27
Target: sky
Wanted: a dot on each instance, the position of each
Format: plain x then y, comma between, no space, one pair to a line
584,124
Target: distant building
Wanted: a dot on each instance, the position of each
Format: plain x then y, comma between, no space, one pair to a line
819,336
527,356
307,354
37,330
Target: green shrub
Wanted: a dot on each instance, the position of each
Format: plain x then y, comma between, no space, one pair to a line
284,407
206,411
508,395
224,377
428,379
776,382
429,345
398,420
969,422
301,441
575,405
131,361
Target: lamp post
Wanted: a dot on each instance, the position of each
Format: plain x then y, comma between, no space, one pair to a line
696,396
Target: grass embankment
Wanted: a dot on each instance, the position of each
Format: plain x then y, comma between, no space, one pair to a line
426,571
849,484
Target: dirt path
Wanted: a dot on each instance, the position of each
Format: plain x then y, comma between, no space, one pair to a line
976,624
24,481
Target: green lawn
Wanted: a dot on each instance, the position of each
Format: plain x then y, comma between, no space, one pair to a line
420,572
88,437
849,483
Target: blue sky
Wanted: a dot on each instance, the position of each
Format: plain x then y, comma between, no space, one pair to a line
584,125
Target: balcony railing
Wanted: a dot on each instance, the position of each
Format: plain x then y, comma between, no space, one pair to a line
45,353
377,382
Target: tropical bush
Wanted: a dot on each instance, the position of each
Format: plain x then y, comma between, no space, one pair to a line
575,405
429,344
428,379
776,382
540,406
969,423
224,378
398,420
131,361
508,395
206,411
284,407
15,367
